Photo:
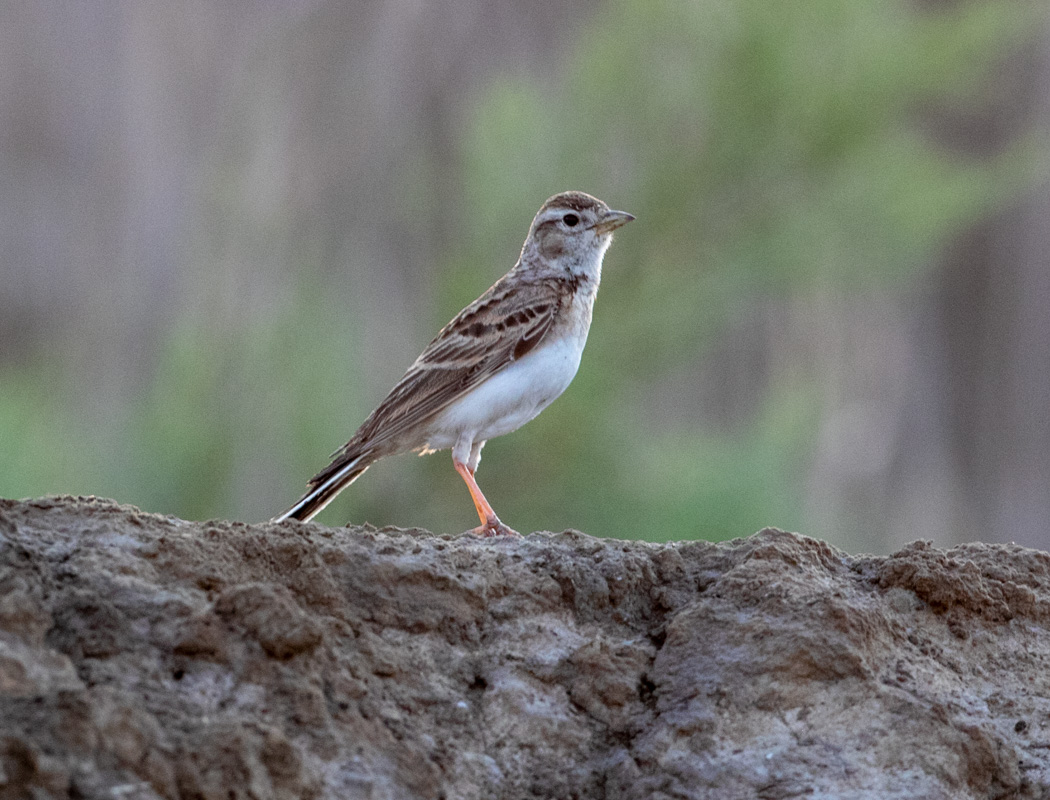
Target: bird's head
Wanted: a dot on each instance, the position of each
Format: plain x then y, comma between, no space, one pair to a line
572,230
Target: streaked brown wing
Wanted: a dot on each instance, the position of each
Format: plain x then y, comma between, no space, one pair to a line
501,326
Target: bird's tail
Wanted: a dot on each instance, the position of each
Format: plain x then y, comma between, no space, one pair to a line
324,486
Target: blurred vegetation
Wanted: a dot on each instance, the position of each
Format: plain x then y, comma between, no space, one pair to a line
768,150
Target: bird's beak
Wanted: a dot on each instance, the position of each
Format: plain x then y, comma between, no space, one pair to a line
612,220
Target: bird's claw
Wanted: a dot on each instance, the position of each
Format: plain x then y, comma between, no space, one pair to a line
495,528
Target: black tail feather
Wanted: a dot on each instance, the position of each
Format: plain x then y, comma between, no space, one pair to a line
324,488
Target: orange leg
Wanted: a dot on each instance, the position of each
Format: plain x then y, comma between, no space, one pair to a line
490,523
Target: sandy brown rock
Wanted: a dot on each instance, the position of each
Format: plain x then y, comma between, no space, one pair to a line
147,657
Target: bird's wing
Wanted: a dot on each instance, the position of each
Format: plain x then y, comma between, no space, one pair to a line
501,326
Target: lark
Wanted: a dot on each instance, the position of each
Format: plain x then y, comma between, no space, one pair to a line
496,365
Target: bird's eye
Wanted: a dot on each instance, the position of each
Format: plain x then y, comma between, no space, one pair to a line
571,220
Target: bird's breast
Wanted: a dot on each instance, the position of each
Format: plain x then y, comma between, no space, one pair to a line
514,395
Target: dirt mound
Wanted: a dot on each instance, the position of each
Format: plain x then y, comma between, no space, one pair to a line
143,656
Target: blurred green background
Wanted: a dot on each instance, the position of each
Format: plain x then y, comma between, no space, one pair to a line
229,228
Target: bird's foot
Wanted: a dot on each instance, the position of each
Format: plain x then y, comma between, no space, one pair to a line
494,527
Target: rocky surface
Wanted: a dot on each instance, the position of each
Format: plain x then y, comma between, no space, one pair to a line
143,656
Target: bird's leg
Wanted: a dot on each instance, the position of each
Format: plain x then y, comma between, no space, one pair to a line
490,523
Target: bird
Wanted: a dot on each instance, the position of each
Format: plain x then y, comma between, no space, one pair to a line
496,365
